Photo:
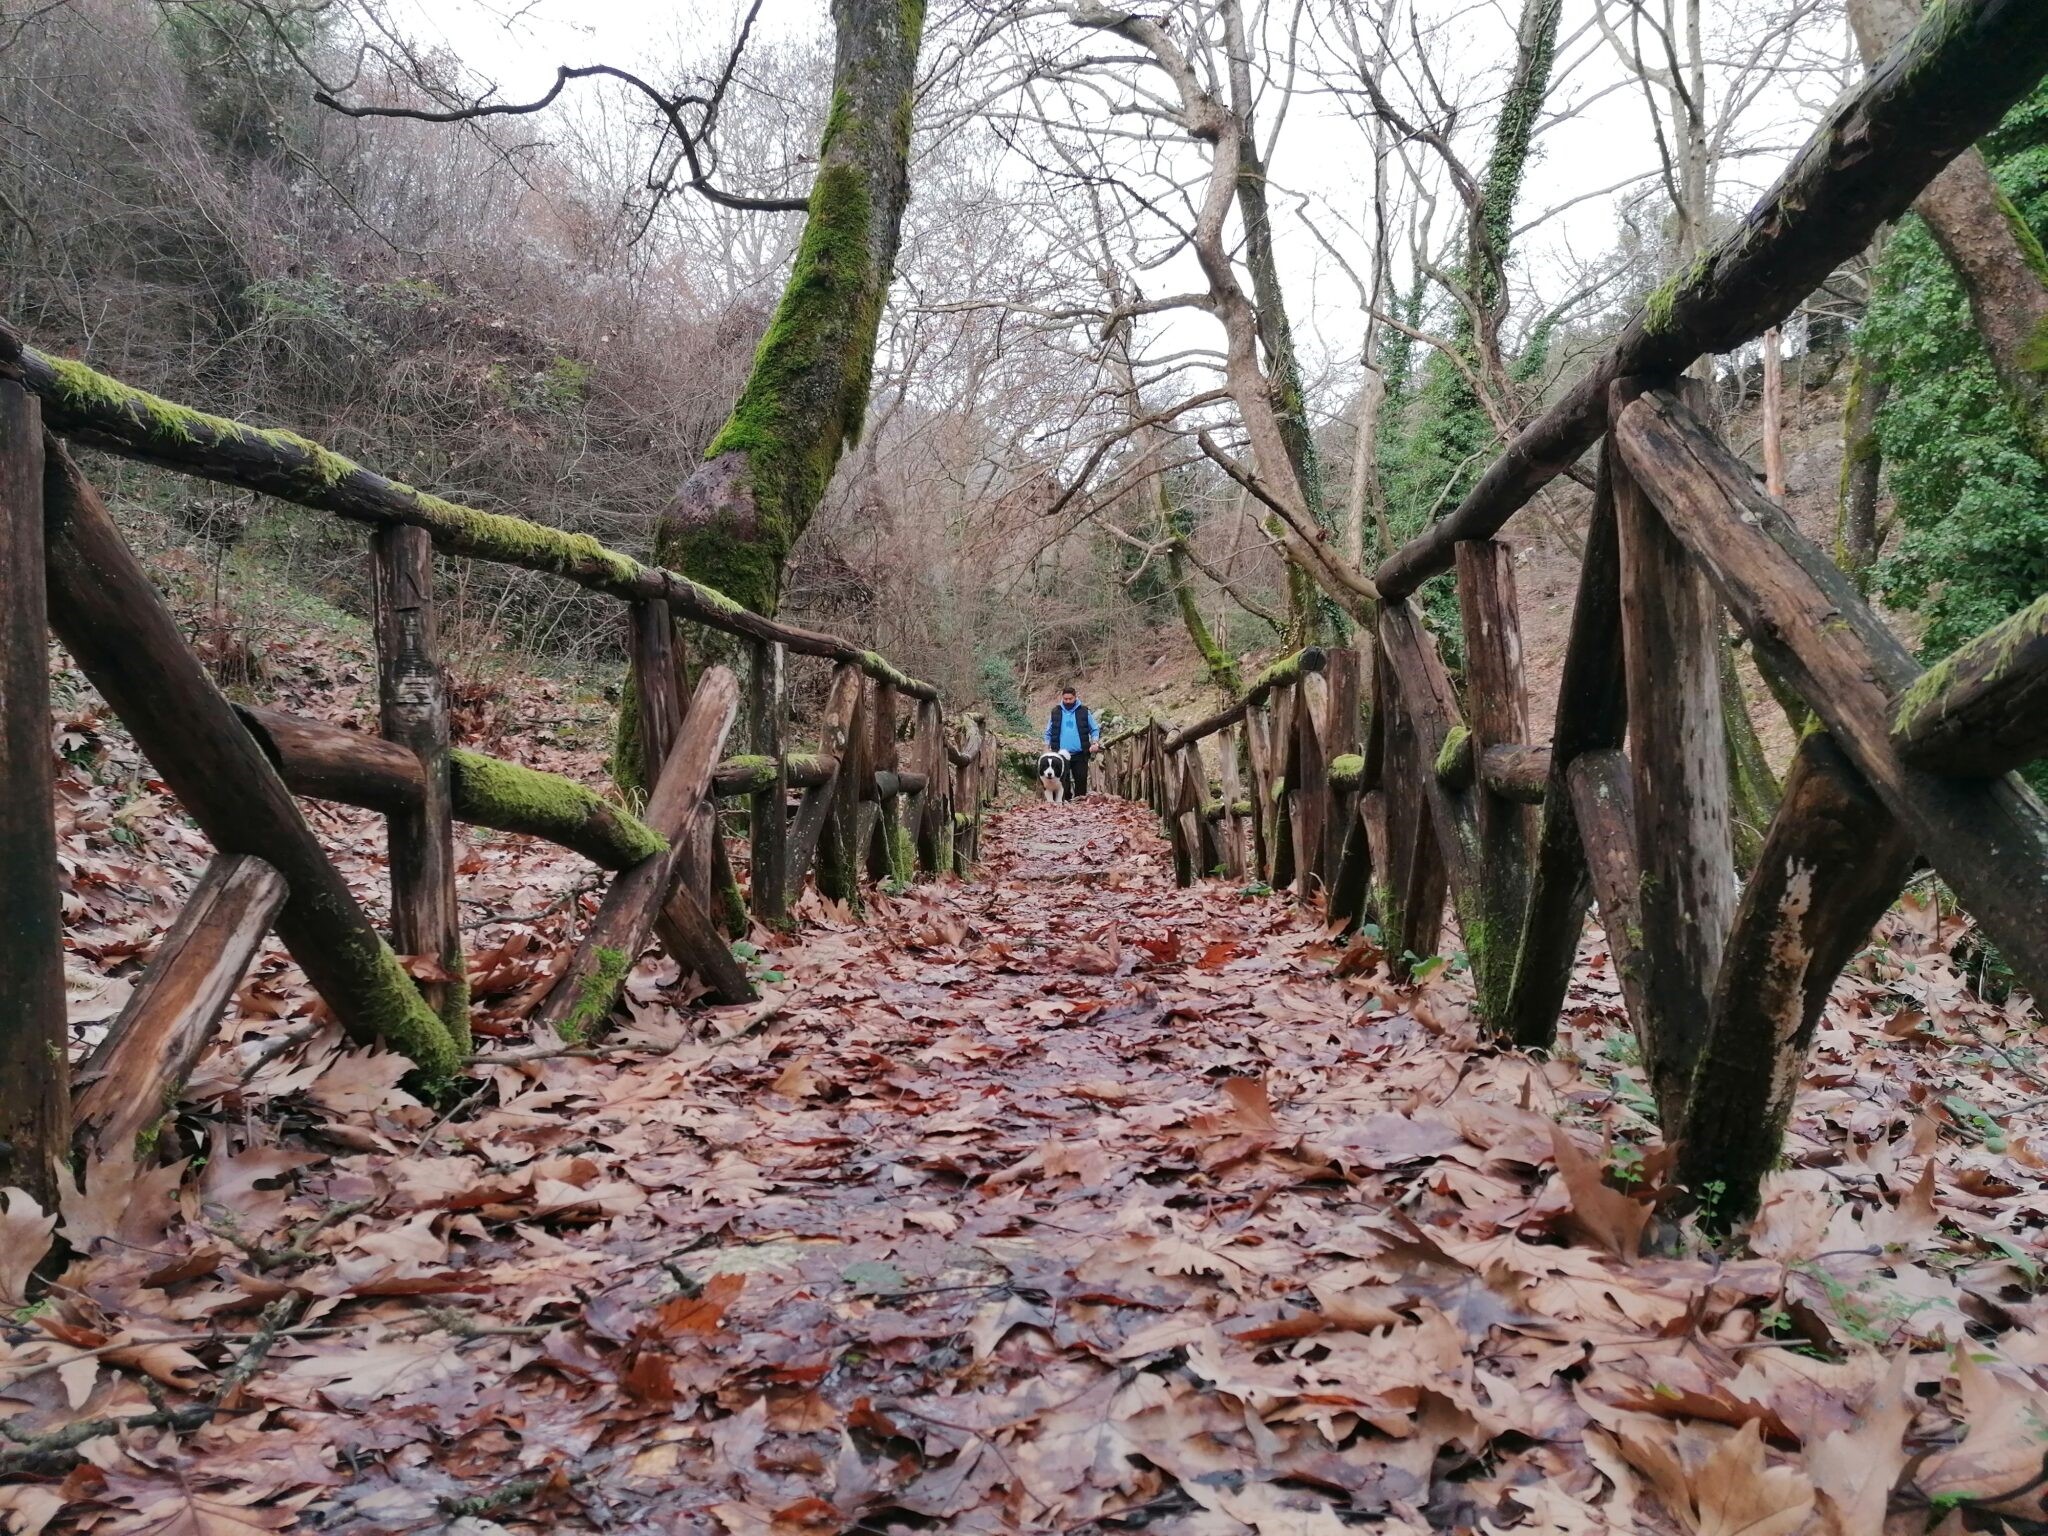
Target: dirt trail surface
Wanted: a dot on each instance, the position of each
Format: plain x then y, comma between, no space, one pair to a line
1062,1202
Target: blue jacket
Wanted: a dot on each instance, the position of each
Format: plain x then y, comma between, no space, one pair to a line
1084,724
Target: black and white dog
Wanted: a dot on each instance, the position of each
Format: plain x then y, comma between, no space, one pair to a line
1052,776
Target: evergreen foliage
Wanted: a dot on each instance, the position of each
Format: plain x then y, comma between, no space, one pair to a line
1971,497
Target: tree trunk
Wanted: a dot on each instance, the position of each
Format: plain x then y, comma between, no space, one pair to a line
737,517
1856,536
1996,257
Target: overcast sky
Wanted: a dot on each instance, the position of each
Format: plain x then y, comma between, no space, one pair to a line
519,43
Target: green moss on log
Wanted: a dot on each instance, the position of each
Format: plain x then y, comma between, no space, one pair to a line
1991,653
394,1011
495,793
516,541
1347,771
86,390
595,995
1451,765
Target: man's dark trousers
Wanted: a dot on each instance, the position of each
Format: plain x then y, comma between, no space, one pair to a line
1077,774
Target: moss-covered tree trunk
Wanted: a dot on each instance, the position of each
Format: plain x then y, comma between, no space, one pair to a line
1862,471
736,518
1996,256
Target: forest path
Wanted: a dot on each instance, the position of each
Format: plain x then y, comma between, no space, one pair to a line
1058,1201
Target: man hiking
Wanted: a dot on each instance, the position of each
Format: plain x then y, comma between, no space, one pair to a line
1072,730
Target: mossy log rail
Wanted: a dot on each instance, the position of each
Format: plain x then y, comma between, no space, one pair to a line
1931,98
1984,710
1722,988
101,412
237,771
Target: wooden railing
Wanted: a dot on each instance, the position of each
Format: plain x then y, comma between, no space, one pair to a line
887,789
1437,791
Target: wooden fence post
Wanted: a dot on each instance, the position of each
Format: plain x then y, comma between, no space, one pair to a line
1603,805
1592,716
1339,741
636,898
932,805
656,685
1283,760
1671,625
35,1091
840,851
768,811
1310,781
1833,861
813,833
1497,713
413,712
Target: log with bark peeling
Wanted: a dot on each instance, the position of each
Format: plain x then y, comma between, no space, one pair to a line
1833,861
133,1076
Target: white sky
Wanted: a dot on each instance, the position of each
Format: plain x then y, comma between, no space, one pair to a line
520,42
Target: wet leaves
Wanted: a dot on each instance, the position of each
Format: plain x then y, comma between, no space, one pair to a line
1060,1201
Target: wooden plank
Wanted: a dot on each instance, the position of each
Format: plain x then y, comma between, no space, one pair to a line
839,849
1340,739
1932,98
1497,711
1516,771
688,933
1434,832
35,1102
1983,711
1987,837
582,999
117,627
1671,625
768,807
1833,861
656,684
412,698
328,762
1309,789
1599,786
1592,716
132,1078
